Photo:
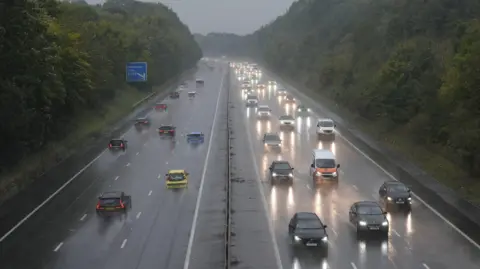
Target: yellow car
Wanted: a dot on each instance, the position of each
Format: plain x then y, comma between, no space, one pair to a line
176,179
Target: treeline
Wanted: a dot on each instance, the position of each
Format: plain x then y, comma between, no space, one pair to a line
59,60
412,67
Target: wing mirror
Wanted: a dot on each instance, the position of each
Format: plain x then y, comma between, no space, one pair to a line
166,175
338,165
324,226
312,165
187,174
293,168
385,213
335,125
409,190
270,168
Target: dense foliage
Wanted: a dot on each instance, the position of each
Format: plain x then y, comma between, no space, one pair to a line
218,44
60,59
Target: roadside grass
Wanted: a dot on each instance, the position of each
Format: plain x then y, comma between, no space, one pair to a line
90,125
428,158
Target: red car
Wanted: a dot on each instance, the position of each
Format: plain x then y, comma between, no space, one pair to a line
167,130
161,107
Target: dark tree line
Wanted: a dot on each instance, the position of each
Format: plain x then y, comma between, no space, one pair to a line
60,59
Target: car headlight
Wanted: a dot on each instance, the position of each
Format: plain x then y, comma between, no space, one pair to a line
318,174
334,174
297,238
274,174
308,109
290,175
409,198
389,198
362,223
325,239
385,223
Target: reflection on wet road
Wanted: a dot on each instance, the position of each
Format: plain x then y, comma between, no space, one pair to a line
418,239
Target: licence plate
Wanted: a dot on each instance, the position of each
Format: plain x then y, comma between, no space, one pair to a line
311,244
400,202
109,208
374,228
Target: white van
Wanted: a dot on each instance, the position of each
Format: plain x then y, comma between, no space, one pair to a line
324,167
325,127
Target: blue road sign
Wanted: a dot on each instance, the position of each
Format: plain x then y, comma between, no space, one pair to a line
136,72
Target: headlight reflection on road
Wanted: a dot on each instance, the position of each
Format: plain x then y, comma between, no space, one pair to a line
282,135
248,113
273,202
292,144
362,252
299,123
279,99
333,148
309,122
264,163
318,203
287,109
408,223
296,264
269,126
320,145
259,128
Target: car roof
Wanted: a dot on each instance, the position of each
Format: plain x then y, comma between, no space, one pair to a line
287,116
178,171
111,194
325,119
367,204
263,106
116,139
195,133
307,215
275,162
323,154
166,125
393,182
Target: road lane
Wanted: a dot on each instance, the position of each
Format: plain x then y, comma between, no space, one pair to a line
160,233
415,239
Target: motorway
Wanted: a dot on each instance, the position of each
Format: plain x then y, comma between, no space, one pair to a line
67,234
417,240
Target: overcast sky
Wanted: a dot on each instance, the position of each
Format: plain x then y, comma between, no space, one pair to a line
232,16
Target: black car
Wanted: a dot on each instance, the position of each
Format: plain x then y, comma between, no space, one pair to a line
167,130
113,202
368,216
395,194
281,171
306,229
117,144
139,122
174,94
289,99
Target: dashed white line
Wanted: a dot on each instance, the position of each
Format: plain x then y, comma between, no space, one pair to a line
58,247
355,187
396,233
123,243
308,186
138,214
149,193
334,232
145,143
137,153
117,177
425,265
128,164
353,265
83,217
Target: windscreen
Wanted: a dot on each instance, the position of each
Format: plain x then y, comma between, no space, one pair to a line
194,135
370,210
286,118
309,224
263,109
110,201
177,176
397,188
165,128
116,143
251,97
282,166
325,163
141,119
272,137
326,123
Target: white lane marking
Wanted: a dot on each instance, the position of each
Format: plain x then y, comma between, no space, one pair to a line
58,247
355,187
425,265
159,176
396,233
202,180
83,217
334,232
123,243
414,195
51,196
138,215
166,162
137,153
145,143
149,193
353,265
116,178
128,164
264,201
308,186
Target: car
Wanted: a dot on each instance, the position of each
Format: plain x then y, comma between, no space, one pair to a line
145,121
325,128
368,216
167,130
192,94
287,122
199,82
113,202
176,179
306,229
195,137
301,109
261,86
272,139
175,95
184,85
281,92
395,194
263,111
119,143
161,107
252,100
272,83
281,171
289,99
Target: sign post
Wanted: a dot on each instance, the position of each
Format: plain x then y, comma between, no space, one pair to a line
136,72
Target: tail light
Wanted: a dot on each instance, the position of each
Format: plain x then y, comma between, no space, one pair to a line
98,205
121,145
121,205
110,145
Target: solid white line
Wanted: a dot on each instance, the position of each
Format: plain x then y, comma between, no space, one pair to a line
396,233
128,164
50,197
353,265
58,247
308,186
149,193
83,217
138,214
202,180
123,243
264,201
355,187
425,265
117,177
137,153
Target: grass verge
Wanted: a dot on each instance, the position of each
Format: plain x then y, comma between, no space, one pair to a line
90,125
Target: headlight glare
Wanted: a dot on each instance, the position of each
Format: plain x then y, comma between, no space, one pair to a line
274,174
389,198
362,223
290,175
385,223
297,238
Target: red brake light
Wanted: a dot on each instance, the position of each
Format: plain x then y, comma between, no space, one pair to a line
121,145
98,205
122,205
109,145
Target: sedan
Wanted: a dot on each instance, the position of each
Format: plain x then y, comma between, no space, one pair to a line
395,194
307,230
281,171
367,216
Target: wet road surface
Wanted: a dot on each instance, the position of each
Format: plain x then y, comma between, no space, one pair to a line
417,240
66,233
